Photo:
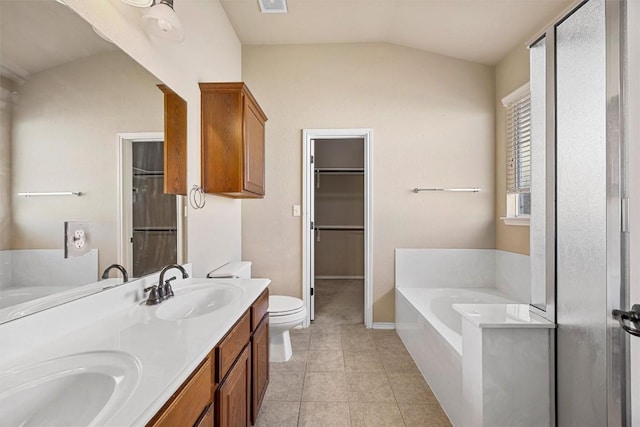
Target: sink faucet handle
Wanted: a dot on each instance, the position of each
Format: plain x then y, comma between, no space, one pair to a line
154,295
168,290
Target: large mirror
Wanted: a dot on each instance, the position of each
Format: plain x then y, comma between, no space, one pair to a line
81,127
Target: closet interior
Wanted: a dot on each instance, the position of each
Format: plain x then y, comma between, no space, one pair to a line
339,230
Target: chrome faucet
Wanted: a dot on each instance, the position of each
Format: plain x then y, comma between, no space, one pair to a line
125,275
163,290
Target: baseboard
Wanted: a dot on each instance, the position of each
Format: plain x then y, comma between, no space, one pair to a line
383,325
339,277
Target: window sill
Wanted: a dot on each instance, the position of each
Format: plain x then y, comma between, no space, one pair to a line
517,221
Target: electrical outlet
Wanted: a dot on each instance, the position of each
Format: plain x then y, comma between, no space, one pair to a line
296,210
77,238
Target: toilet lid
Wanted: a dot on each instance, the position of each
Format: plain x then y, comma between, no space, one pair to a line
280,304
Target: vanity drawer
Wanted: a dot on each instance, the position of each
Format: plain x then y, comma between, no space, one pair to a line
186,406
231,346
259,309
206,419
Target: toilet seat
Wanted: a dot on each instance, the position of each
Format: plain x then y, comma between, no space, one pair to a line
280,305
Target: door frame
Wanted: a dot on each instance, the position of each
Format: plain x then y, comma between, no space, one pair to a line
124,143
307,233
618,200
631,88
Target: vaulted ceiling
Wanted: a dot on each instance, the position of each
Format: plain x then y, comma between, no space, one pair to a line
38,35
482,31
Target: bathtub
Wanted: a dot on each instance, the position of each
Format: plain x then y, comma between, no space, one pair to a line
435,305
432,332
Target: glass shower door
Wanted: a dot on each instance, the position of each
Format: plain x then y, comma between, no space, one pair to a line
581,271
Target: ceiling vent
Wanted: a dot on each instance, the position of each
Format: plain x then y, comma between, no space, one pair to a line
273,6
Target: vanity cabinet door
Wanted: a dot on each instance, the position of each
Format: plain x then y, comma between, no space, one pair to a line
233,397
260,366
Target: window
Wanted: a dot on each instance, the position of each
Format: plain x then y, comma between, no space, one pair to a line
518,132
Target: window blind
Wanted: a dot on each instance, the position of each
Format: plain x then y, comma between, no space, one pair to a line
518,110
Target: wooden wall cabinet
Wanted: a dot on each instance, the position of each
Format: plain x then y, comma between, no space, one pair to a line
228,387
232,141
175,142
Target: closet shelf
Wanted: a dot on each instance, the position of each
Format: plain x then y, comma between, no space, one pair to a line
340,227
340,171
149,175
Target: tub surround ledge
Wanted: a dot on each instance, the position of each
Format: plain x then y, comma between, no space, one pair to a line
501,316
506,368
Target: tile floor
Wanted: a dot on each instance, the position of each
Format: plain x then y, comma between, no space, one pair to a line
346,375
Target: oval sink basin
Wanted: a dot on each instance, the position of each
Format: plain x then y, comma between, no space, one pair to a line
84,389
39,302
199,300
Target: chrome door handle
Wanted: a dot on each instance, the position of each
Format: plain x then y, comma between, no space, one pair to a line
632,317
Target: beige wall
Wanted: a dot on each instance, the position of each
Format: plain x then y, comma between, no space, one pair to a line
433,125
64,139
210,51
511,73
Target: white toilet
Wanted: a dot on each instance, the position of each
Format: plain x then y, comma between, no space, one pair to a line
285,312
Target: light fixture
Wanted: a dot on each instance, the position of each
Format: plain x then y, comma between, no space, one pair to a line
273,6
161,21
138,3
102,35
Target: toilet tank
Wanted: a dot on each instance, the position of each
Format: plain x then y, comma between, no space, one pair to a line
234,269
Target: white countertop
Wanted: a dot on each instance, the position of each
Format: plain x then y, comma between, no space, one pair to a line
168,351
501,316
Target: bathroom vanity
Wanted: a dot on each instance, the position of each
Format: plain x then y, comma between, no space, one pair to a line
200,358
231,381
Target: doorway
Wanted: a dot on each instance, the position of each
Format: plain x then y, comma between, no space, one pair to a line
337,285
151,223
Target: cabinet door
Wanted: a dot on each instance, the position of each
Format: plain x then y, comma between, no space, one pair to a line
260,365
175,142
233,397
253,149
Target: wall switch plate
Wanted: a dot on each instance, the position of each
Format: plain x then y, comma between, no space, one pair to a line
296,210
77,238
